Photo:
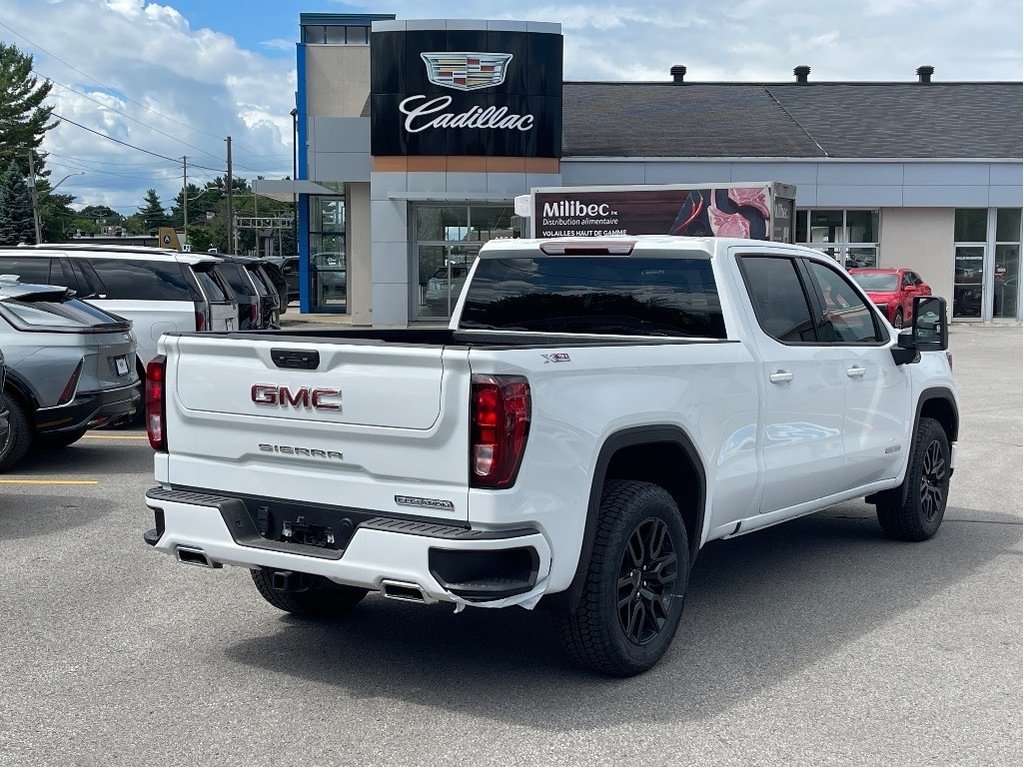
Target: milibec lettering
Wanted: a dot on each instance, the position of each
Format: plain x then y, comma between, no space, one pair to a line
576,208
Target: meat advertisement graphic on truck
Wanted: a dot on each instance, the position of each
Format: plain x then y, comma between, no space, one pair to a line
754,210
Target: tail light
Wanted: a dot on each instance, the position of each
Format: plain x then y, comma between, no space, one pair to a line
156,402
254,313
72,386
501,423
203,317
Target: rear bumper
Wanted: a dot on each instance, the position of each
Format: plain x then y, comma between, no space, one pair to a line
89,409
447,563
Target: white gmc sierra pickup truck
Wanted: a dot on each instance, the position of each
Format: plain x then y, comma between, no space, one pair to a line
596,412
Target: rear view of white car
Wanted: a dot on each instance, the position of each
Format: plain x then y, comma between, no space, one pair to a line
159,290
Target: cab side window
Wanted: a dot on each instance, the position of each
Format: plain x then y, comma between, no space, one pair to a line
778,297
845,318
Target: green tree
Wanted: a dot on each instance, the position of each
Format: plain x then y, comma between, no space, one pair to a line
16,221
152,212
57,214
200,238
23,118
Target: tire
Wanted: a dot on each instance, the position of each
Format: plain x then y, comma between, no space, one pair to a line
62,440
914,510
19,441
619,628
323,599
897,322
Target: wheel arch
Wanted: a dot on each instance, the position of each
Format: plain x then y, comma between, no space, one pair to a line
20,388
660,454
938,403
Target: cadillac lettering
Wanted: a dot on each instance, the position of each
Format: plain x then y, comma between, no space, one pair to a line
474,117
319,399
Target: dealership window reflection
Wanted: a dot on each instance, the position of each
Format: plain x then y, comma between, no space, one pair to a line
848,236
447,240
328,263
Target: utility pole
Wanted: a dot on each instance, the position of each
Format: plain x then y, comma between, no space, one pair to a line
231,206
34,196
184,195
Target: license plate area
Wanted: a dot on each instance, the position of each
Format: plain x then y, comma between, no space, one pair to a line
121,365
302,532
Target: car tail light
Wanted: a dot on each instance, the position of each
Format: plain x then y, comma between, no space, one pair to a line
501,423
72,386
203,317
156,401
254,313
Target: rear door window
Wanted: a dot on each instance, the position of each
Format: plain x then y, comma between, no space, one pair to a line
149,280
214,290
235,276
28,269
644,296
778,298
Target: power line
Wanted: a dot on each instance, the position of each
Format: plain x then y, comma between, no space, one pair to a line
118,112
126,144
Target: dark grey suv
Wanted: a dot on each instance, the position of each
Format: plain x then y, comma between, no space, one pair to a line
70,367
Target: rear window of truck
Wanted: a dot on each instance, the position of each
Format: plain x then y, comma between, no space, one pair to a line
599,294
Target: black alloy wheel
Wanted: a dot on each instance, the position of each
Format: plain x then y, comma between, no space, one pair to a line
647,575
632,596
933,481
914,510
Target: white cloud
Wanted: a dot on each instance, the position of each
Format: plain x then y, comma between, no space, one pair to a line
187,89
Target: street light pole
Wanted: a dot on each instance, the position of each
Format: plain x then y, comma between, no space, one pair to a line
37,213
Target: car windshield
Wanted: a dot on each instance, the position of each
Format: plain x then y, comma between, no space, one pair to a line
877,281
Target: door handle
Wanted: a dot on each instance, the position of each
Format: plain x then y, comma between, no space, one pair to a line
780,377
856,372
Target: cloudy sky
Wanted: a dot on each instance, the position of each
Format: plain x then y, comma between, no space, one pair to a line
175,78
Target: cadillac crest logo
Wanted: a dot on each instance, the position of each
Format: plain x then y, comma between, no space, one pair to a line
466,71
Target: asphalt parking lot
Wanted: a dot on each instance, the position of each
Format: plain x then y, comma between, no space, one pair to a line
814,642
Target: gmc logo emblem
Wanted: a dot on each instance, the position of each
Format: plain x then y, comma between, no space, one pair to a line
319,399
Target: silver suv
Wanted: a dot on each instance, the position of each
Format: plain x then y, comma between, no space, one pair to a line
158,289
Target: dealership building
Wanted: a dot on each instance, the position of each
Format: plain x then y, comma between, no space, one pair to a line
414,139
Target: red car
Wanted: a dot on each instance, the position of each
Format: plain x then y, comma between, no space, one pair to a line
892,290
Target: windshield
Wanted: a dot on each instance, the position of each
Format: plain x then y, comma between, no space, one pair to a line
598,294
877,281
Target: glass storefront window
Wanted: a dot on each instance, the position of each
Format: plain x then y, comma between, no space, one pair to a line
1004,294
969,225
447,241
968,271
328,263
446,224
849,237
1008,225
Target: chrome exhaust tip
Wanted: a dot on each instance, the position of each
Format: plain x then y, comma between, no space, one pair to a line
403,590
194,556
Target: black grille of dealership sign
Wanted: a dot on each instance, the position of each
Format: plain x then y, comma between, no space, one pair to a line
465,110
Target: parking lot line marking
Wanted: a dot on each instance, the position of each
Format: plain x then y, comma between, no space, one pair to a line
115,437
37,481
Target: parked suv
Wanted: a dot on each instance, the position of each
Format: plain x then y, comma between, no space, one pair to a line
892,290
70,367
158,289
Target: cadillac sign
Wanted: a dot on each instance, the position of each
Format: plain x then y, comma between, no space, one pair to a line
466,92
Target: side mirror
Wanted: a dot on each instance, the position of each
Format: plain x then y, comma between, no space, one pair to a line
928,331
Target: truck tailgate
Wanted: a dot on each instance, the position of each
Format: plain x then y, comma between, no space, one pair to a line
377,427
